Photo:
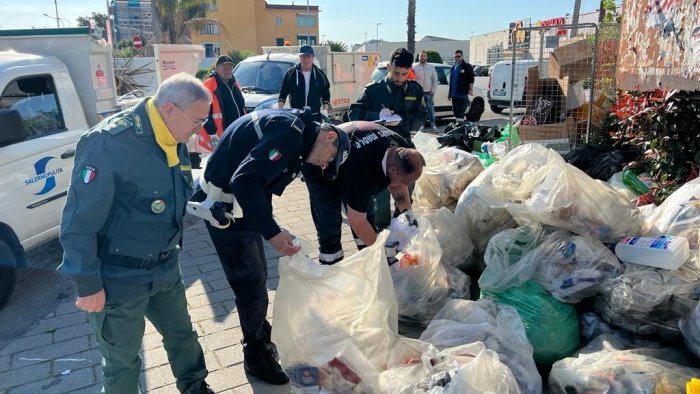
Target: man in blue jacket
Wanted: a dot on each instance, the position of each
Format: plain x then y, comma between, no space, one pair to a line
461,85
259,155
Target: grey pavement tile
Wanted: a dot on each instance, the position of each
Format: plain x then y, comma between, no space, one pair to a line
60,383
90,389
207,327
213,266
230,356
222,339
151,341
210,359
210,298
66,308
204,251
169,389
196,288
50,352
63,334
158,377
27,343
213,275
88,358
28,374
154,358
4,363
227,379
54,323
218,284
207,312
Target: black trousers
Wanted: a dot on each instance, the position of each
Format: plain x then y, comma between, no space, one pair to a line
459,105
326,201
242,256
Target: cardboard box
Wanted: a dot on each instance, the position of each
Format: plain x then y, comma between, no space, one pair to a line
572,60
555,131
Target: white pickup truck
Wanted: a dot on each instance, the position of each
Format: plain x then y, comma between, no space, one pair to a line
54,85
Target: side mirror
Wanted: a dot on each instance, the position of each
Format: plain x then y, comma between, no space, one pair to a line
13,129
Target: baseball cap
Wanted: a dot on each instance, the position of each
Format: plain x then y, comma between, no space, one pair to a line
331,172
223,59
306,50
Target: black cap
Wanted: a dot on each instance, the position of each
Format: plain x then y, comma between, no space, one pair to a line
306,50
331,172
223,59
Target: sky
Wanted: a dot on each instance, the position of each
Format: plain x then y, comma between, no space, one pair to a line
343,20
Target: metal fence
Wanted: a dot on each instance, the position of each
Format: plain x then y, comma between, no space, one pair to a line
562,77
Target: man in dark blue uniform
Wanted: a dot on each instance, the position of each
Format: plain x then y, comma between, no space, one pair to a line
121,227
379,160
259,155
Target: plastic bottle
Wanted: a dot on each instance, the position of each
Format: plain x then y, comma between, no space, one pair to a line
663,251
637,180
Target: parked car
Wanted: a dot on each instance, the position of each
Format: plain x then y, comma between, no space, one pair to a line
443,106
480,70
500,89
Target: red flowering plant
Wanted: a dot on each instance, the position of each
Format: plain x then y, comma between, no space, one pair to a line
666,125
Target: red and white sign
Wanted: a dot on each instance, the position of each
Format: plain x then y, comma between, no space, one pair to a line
137,42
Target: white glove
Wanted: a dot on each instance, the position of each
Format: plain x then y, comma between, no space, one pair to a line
410,217
214,140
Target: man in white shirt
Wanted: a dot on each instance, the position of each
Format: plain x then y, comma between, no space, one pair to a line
426,76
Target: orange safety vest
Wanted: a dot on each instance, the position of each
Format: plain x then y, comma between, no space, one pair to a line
204,141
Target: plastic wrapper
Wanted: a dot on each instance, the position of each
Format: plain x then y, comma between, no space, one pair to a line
445,176
569,199
498,327
339,321
456,246
573,267
504,258
481,208
423,285
690,328
616,183
551,326
467,368
647,301
616,369
425,144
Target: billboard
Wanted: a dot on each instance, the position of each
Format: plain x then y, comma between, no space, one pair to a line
521,40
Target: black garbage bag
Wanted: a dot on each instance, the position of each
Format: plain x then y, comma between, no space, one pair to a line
476,109
600,162
463,135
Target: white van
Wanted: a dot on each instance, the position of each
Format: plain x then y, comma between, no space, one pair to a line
500,89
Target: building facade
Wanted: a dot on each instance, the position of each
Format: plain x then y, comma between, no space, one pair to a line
131,18
444,46
252,24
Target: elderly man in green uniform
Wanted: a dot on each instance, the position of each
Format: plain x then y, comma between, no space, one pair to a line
121,227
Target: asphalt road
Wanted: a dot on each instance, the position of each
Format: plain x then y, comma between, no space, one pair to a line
40,288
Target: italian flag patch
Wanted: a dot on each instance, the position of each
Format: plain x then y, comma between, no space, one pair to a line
274,155
89,174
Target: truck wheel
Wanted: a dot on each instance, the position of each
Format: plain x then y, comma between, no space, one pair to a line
496,109
8,273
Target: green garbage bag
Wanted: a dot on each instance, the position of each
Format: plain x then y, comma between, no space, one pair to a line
551,326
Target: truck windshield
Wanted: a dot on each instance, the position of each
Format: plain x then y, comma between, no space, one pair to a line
262,76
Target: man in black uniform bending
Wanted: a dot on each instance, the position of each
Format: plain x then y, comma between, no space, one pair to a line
259,155
380,159
393,95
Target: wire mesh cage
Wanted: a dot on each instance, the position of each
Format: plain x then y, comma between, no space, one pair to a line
552,79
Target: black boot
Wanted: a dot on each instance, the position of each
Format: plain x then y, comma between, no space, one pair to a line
201,388
263,366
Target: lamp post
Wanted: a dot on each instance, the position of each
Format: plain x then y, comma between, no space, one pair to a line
378,23
58,20
55,3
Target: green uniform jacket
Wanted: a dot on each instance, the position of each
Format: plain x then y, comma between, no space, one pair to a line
123,199
406,101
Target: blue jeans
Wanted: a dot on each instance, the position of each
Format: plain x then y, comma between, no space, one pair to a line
429,100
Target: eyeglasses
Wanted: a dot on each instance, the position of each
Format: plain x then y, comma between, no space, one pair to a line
458,57
198,123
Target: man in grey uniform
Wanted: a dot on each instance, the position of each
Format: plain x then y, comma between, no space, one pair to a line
121,227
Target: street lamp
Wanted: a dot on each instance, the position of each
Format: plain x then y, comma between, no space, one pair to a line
378,23
323,39
56,19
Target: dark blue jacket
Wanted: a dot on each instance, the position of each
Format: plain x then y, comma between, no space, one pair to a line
253,168
293,85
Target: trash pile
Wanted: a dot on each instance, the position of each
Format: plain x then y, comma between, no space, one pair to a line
510,269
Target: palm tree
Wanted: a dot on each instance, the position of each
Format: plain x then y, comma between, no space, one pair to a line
336,46
176,19
411,21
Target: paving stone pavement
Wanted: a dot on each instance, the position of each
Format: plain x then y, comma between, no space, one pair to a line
59,354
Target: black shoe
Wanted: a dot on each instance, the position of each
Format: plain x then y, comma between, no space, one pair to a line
203,388
263,366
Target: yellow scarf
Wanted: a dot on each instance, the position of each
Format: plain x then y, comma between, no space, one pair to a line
165,140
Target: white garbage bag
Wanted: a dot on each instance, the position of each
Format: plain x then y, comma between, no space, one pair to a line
457,247
445,176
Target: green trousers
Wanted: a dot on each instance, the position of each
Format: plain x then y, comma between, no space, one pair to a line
156,293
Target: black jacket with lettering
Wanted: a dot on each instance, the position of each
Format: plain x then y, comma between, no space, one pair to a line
254,167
